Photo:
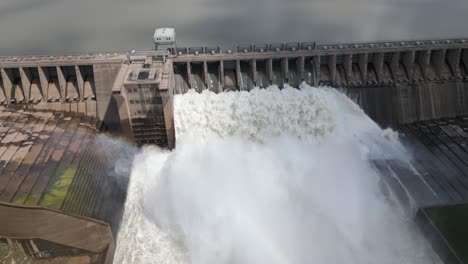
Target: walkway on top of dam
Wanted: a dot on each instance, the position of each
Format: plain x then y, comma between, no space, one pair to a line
252,51
298,49
64,59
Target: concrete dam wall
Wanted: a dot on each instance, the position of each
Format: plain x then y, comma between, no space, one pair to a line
77,83
394,82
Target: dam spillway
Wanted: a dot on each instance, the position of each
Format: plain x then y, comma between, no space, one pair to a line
419,81
269,176
417,87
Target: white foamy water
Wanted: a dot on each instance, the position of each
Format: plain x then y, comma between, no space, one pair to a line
268,176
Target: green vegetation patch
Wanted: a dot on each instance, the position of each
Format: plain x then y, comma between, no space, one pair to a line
28,199
452,222
56,195
21,200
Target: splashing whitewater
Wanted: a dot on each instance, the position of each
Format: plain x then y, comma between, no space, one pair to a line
268,176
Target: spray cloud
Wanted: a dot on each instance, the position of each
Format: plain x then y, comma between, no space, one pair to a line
268,176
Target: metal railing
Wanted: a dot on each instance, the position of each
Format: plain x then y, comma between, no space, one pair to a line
308,46
247,48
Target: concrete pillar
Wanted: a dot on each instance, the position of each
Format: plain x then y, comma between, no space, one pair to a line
395,65
124,115
44,80
168,106
79,81
253,67
464,58
7,84
205,75
104,79
363,60
453,58
378,61
26,83
285,64
189,74
62,83
332,67
301,67
348,66
3,99
221,73
270,70
36,94
316,61
438,60
238,75
408,62
424,61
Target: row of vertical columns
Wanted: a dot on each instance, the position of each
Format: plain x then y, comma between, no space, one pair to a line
300,64
206,74
285,63
363,61
29,89
440,60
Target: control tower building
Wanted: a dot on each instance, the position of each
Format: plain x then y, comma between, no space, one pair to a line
164,37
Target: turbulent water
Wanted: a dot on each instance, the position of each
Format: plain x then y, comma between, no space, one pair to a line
268,176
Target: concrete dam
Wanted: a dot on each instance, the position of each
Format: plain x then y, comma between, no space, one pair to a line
395,82
419,88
